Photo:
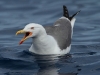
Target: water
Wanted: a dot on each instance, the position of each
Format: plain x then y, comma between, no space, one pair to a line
84,58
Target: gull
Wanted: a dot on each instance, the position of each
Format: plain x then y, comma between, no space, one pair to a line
53,39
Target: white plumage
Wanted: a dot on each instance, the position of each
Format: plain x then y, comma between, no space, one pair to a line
48,40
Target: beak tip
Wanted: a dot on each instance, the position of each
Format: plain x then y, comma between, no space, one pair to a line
16,34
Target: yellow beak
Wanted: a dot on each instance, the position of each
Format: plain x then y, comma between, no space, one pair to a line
25,37
20,31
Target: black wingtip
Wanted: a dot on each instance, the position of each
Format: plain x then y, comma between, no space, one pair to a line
74,15
65,12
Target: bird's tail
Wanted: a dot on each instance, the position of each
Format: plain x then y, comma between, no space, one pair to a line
74,15
66,13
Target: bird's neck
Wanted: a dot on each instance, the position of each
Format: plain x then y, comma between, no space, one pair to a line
39,38
41,35
40,42
44,45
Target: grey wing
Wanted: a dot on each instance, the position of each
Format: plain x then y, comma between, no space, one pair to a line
61,31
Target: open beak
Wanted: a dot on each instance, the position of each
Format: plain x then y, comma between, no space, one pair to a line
26,36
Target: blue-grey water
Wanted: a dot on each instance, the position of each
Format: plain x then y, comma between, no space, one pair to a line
84,57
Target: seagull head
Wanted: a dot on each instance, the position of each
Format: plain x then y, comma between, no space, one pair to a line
31,30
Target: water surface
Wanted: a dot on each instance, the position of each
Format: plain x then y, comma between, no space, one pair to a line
84,58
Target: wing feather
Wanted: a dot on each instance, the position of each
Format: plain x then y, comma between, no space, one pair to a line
61,31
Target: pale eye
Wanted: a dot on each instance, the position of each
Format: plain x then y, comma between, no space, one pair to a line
32,27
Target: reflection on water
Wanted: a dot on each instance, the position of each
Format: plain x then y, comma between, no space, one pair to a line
85,51
49,64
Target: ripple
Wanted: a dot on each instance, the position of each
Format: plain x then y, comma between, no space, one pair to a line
85,52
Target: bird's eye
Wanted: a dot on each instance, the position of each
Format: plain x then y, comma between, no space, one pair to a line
32,27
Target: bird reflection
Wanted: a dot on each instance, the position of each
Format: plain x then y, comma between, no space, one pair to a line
49,64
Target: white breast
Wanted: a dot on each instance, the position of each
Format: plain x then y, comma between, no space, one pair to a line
45,45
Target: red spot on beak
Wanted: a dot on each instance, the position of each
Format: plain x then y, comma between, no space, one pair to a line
21,42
